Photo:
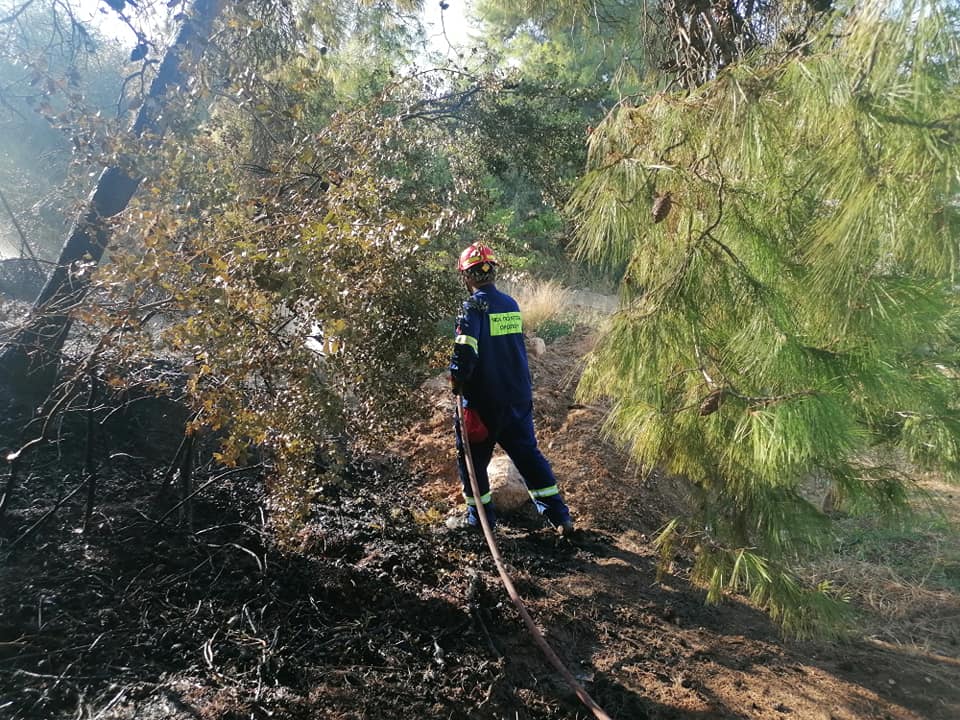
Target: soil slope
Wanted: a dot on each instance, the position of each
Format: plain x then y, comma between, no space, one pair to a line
655,647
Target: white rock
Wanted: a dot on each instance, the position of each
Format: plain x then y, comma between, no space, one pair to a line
438,383
536,346
509,491
438,389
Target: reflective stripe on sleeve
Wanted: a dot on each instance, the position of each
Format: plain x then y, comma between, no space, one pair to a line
545,492
485,499
467,340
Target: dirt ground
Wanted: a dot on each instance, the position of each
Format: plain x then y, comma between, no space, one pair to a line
385,613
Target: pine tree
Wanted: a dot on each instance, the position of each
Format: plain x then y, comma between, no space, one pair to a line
789,310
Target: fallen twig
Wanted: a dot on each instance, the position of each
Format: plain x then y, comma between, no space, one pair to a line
203,487
30,530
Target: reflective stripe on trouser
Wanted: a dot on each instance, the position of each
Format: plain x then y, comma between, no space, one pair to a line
485,499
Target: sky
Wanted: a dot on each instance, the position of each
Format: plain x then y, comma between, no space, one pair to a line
100,15
454,22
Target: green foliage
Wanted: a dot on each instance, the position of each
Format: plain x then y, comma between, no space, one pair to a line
555,328
793,308
570,62
333,24
301,294
528,138
596,45
632,46
533,130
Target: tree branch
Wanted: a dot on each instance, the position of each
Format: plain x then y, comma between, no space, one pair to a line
24,245
17,12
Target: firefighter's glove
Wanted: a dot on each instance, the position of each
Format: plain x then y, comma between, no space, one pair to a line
456,386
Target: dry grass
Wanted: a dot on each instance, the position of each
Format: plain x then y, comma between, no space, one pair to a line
539,301
904,579
894,608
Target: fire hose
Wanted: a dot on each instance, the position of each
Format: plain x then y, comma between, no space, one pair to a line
508,583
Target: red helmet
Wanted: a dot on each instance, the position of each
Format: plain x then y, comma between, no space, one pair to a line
474,255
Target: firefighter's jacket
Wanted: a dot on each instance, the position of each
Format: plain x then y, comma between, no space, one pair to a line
489,356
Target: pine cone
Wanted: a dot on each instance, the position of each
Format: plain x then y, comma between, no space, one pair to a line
661,206
711,403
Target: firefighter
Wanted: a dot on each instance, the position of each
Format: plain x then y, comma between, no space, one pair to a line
491,378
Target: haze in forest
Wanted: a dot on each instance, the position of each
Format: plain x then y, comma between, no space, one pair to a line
246,220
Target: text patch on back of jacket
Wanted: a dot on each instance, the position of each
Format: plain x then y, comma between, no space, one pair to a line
507,323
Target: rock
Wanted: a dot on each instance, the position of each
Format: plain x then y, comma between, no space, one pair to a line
536,346
438,383
509,491
456,522
438,388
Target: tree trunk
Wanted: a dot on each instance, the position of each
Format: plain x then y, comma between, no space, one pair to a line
28,361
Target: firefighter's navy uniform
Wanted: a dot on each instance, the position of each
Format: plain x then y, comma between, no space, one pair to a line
490,365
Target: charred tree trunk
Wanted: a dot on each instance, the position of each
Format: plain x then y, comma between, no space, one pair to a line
28,362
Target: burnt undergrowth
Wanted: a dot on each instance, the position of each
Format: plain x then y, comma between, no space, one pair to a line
136,611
